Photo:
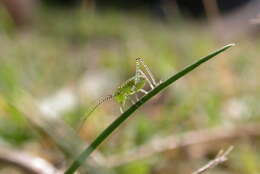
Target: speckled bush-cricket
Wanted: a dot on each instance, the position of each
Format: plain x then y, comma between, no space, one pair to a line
130,87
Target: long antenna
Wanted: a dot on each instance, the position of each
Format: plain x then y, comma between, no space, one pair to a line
92,109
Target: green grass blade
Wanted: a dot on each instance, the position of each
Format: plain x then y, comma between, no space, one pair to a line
102,136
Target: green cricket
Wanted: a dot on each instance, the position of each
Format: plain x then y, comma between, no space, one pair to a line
129,88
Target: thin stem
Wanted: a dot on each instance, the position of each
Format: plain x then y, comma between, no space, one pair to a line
220,158
102,136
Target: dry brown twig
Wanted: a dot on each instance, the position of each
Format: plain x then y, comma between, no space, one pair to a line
36,165
220,158
28,163
188,139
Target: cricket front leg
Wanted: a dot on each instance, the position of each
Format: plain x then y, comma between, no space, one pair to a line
122,106
143,91
121,110
136,97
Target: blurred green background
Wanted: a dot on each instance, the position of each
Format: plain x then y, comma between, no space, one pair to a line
67,58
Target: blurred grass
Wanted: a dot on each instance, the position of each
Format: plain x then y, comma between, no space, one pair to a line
63,47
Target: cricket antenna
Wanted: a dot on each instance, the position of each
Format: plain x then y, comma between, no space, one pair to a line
92,109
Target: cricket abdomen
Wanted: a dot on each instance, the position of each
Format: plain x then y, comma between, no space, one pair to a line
130,87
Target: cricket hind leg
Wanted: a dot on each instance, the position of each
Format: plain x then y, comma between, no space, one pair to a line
139,73
141,61
147,79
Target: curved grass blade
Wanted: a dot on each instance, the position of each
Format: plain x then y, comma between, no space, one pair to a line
102,136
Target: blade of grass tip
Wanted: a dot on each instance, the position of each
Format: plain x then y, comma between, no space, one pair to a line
102,136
